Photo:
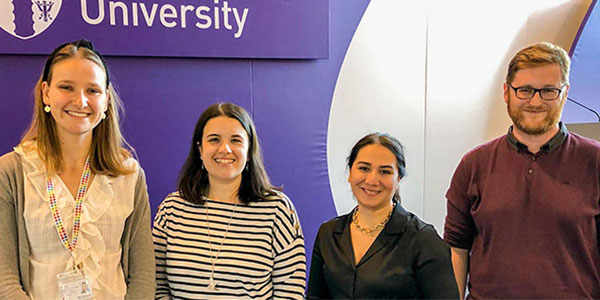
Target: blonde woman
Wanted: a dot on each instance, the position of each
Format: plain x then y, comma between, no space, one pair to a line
73,203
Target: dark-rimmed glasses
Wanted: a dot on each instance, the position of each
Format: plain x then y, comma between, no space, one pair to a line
547,93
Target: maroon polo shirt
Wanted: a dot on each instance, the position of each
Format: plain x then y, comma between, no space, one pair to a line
531,221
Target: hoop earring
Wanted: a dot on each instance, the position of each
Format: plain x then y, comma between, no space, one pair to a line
47,108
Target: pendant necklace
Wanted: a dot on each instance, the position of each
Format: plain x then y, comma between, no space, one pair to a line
212,284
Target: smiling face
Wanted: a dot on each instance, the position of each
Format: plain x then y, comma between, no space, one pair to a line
77,96
536,116
224,149
374,177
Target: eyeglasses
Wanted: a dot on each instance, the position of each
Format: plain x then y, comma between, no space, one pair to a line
526,93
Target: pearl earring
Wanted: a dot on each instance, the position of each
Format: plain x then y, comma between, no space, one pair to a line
103,116
47,108
201,162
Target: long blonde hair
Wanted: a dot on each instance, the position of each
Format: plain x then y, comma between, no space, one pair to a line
107,155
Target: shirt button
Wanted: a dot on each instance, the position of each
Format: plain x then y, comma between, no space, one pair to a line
533,158
530,171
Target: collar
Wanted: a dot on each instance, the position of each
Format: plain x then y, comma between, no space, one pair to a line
35,168
548,147
396,225
32,163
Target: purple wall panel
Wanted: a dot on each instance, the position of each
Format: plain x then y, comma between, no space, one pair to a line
163,100
289,100
292,100
585,69
18,75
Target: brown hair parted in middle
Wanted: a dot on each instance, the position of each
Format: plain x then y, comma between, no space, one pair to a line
193,180
107,155
387,141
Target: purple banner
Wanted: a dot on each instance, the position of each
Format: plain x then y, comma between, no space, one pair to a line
585,70
182,28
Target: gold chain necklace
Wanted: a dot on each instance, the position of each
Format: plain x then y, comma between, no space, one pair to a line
370,231
212,284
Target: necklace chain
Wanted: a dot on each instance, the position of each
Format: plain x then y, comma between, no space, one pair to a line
213,261
370,231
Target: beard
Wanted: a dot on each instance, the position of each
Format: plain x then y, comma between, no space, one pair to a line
534,127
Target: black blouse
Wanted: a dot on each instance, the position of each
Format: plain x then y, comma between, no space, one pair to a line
407,260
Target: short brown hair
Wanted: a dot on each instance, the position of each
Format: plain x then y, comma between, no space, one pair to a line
538,55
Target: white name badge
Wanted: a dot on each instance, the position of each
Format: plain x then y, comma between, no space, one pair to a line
74,286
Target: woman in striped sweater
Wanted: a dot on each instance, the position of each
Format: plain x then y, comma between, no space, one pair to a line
227,233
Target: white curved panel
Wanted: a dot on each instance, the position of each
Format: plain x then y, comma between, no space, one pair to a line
470,44
381,87
7,16
432,76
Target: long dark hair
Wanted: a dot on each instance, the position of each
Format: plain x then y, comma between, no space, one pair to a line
385,140
193,179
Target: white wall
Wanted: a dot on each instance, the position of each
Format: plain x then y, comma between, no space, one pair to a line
431,74
380,88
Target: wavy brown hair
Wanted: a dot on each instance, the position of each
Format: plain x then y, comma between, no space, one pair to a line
193,179
107,155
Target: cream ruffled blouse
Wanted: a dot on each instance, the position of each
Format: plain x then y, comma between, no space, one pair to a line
106,205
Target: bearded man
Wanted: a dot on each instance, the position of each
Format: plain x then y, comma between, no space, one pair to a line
523,209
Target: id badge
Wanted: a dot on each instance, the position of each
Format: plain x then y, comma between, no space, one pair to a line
74,286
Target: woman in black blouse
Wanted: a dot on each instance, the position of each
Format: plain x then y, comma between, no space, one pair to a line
379,250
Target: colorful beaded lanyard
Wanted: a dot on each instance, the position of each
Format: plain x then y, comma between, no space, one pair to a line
78,203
